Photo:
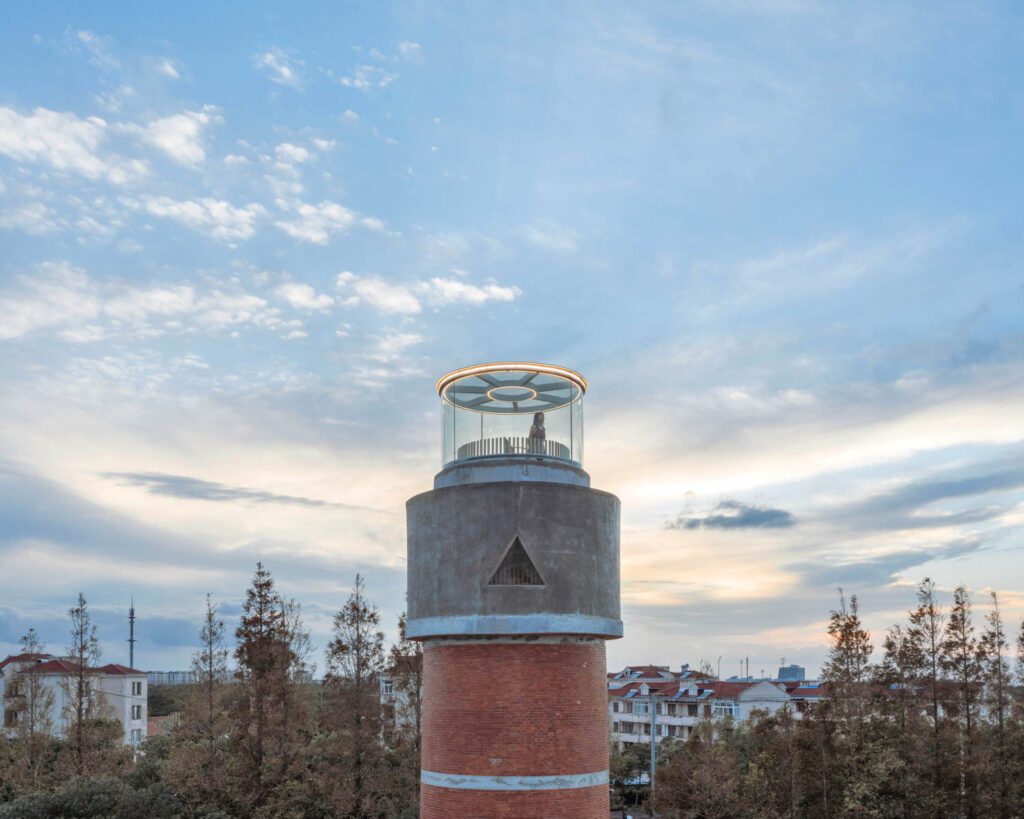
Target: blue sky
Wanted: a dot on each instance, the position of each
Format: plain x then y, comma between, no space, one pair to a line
782,239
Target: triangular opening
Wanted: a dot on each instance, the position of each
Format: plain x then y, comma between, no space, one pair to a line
516,568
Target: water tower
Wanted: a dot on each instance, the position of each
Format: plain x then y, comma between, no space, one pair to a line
513,589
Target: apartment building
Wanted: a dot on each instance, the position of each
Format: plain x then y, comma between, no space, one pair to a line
122,692
680,702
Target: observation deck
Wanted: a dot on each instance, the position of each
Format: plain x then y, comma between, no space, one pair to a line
512,409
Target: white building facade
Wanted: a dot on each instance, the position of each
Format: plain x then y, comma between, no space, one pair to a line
680,702
122,693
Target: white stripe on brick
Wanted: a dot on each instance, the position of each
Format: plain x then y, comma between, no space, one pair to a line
557,782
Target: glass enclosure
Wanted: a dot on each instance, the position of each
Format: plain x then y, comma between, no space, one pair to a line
513,409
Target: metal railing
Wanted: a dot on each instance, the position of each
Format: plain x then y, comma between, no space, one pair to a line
509,445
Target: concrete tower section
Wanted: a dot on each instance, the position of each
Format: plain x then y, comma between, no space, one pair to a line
513,589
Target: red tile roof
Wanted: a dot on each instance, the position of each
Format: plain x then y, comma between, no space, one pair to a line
53,667
58,666
115,668
24,658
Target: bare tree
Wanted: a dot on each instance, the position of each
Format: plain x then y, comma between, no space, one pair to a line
35,703
81,697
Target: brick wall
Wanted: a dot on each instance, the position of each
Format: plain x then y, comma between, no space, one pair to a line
522,708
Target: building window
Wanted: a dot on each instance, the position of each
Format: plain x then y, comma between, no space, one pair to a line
136,736
10,718
136,689
615,707
726,708
386,686
136,712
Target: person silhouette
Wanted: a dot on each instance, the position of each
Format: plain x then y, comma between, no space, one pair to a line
537,433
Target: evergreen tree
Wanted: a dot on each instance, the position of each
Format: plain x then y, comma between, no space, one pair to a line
960,660
405,672
268,716
925,632
355,659
995,672
898,676
848,665
196,762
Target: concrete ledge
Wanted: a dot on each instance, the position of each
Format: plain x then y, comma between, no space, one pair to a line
511,468
508,624
556,782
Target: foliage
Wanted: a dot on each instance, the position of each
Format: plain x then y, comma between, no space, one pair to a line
932,728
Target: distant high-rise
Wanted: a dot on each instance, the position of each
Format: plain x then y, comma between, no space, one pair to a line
796,673
513,573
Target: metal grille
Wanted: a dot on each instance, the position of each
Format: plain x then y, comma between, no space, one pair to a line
516,568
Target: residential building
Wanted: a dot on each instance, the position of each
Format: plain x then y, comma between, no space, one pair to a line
682,701
122,692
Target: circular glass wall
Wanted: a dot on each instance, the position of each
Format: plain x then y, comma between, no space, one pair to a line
513,409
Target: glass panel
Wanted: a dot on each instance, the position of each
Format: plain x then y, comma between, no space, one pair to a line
513,413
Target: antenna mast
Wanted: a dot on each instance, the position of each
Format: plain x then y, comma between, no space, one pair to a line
131,634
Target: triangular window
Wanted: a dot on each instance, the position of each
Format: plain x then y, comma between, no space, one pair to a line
516,568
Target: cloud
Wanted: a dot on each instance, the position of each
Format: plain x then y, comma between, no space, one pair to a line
168,68
303,296
33,217
214,217
180,135
286,152
56,294
138,305
453,291
99,48
315,223
732,514
901,507
182,486
64,142
279,67
550,237
393,347
385,296
834,570
409,51
65,298
364,77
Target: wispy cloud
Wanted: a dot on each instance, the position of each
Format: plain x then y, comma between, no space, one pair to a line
280,67
315,224
732,514
214,217
100,49
188,488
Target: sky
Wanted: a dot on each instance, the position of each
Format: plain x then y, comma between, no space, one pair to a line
240,242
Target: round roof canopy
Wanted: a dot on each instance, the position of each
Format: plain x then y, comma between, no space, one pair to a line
511,387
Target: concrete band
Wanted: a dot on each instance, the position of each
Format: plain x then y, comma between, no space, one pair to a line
557,782
511,624
505,468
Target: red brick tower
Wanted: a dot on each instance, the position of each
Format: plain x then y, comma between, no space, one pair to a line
513,589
